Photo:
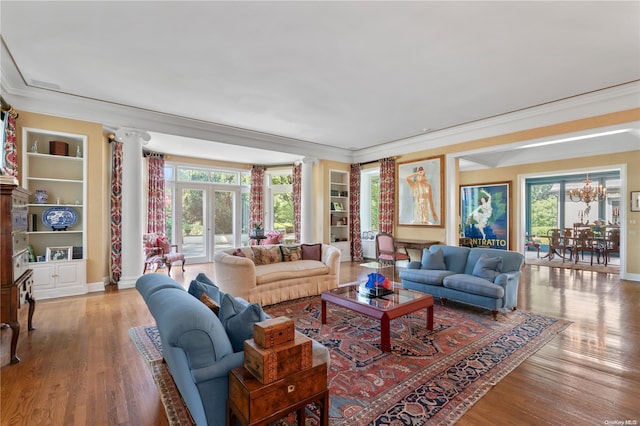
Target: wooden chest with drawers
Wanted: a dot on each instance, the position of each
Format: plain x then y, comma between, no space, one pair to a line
271,364
253,402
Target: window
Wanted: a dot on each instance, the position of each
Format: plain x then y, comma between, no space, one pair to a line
280,213
369,199
549,205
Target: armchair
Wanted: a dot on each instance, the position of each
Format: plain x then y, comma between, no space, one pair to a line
158,252
386,250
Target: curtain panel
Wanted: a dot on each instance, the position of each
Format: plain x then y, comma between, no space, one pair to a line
155,214
297,200
9,160
387,195
116,211
354,213
256,200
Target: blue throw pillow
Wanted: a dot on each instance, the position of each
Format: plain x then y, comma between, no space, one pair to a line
238,319
488,267
433,260
197,287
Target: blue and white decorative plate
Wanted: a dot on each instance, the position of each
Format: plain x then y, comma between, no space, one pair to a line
59,218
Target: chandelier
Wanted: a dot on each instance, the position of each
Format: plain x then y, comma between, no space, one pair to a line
588,193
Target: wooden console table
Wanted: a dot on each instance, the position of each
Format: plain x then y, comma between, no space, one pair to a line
252,403
414,244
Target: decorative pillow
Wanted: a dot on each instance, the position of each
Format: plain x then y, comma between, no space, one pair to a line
266,255
210,303
238,252
272,240
238,320
203,285
311,251
290,253
433,260
488,267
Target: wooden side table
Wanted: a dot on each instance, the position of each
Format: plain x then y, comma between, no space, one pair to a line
252,403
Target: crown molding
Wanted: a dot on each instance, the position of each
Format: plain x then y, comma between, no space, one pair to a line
592,104
112,115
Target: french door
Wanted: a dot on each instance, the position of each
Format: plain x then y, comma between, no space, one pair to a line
208,218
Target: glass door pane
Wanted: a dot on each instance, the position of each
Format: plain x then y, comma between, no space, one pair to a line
193,224
224,219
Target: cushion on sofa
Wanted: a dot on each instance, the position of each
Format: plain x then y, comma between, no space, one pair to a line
488,267
474,285
291,253
238,252
433,260
266,255
425,276
204,285
210,303
289,270
311,251
238,320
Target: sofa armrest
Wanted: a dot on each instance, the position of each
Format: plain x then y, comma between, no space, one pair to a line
505,277
218,369
235,275
331,258
414,264
509,281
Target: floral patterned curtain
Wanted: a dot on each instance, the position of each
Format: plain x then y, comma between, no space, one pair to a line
256,201
354,213
155,219
297,199
387,195
116,210
9,160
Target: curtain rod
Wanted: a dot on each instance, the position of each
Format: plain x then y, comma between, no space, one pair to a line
7,108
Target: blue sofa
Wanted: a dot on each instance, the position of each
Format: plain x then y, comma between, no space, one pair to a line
477,276
198,345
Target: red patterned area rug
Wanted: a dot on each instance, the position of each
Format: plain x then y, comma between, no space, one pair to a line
429,376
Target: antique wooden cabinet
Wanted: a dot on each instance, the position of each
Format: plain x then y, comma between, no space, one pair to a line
15,276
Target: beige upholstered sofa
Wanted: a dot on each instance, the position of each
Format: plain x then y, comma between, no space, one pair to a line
263,277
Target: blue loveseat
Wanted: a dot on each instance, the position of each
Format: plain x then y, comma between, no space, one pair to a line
477,276
200,347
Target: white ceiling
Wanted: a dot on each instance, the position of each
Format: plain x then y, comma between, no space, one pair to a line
268,82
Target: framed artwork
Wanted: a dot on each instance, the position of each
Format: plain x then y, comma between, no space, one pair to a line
484,214
58,253
635,201
421,192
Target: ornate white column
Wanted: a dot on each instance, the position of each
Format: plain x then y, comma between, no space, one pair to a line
307,235
132,204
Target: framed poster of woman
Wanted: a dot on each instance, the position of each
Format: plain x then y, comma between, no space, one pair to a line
420,192
484,212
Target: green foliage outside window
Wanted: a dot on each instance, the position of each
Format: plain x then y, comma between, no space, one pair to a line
543,209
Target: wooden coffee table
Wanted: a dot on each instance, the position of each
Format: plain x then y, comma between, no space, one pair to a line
400,302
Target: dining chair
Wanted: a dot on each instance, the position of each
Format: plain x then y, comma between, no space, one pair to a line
584,242
611,245
531,242
560,243
387,251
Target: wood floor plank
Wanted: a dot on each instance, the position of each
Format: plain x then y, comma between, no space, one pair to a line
80,367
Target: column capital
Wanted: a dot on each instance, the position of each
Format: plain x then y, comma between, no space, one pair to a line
125,133
307,160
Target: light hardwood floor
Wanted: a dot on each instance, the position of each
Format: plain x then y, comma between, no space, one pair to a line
80,367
